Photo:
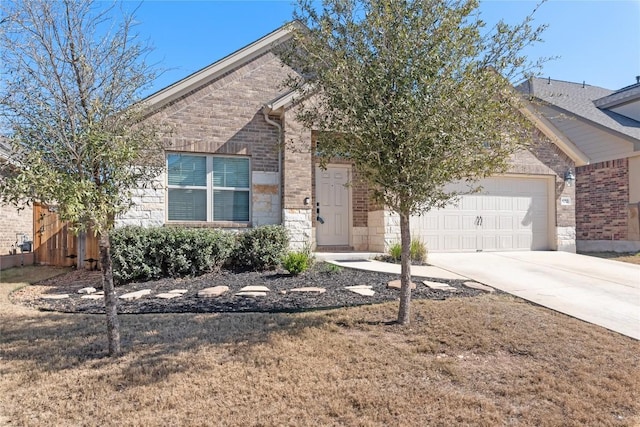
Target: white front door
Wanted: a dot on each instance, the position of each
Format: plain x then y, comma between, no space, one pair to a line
332,205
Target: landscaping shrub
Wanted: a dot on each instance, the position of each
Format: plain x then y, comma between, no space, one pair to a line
297,262
395,251
260,248
417,250
151,253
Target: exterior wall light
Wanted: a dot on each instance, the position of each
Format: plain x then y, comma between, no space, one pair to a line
307,200
569,178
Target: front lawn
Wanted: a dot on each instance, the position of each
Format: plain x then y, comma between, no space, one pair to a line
488,360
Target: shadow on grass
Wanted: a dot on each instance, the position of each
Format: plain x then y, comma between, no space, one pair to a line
57,341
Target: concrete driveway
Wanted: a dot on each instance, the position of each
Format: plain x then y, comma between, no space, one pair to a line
599,291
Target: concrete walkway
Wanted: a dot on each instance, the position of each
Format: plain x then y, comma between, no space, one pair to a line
599,291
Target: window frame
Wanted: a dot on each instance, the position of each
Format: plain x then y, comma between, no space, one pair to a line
210,188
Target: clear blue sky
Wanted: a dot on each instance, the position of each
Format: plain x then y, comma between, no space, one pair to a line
597,41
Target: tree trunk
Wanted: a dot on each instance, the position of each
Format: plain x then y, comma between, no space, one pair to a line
404,313
110,300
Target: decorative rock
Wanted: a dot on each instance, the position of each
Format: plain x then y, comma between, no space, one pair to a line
92,296
255,289
439,286
310,289
54,296
364,290
88,290
168,295
251,294
479,286
395,284
216,291
136,295
178,291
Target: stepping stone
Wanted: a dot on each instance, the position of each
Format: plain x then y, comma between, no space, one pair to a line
92,296
89,290
178,291
363,290
135,295
251,294
216,291
255,289
168,295
310,289
54,296
395,284
479,286
439,286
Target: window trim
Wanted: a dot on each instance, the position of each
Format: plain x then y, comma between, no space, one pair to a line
209,189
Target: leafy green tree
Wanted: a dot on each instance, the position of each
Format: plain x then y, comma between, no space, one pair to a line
416,93
71,75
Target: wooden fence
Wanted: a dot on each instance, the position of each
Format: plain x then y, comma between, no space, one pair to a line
54,242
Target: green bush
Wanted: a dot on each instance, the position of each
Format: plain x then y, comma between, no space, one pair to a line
151,253
260,248
297,262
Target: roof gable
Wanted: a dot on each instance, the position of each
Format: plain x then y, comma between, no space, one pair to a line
219,68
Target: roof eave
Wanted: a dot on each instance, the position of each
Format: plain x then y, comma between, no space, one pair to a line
551,132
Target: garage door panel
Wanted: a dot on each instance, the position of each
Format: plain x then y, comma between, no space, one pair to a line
513,215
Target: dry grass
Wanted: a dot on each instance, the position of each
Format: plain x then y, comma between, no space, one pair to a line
486,361
624,257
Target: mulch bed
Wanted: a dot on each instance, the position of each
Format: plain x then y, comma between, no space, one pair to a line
279,299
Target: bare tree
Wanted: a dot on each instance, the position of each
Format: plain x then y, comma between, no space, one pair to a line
72,74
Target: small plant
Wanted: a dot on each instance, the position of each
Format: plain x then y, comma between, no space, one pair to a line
395,251
332,268
296,262
418,251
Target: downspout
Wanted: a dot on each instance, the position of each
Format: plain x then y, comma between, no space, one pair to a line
280,144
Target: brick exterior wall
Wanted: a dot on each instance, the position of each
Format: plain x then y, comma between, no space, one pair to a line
602,207
13,221
297,176
225,117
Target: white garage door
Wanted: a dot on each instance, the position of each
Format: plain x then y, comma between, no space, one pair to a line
507,214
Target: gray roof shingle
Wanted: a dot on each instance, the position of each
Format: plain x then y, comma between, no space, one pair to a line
578,99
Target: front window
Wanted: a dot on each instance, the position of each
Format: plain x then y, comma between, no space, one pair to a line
208,188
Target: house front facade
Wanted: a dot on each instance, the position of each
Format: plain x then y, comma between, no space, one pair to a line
604,127
237,158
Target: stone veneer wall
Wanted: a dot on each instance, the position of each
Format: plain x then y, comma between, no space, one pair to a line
14,221
148,209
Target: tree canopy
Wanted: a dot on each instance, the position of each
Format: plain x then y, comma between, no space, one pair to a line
416,93
72,73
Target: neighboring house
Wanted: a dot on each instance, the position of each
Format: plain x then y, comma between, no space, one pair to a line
604,126
237,158
16,225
